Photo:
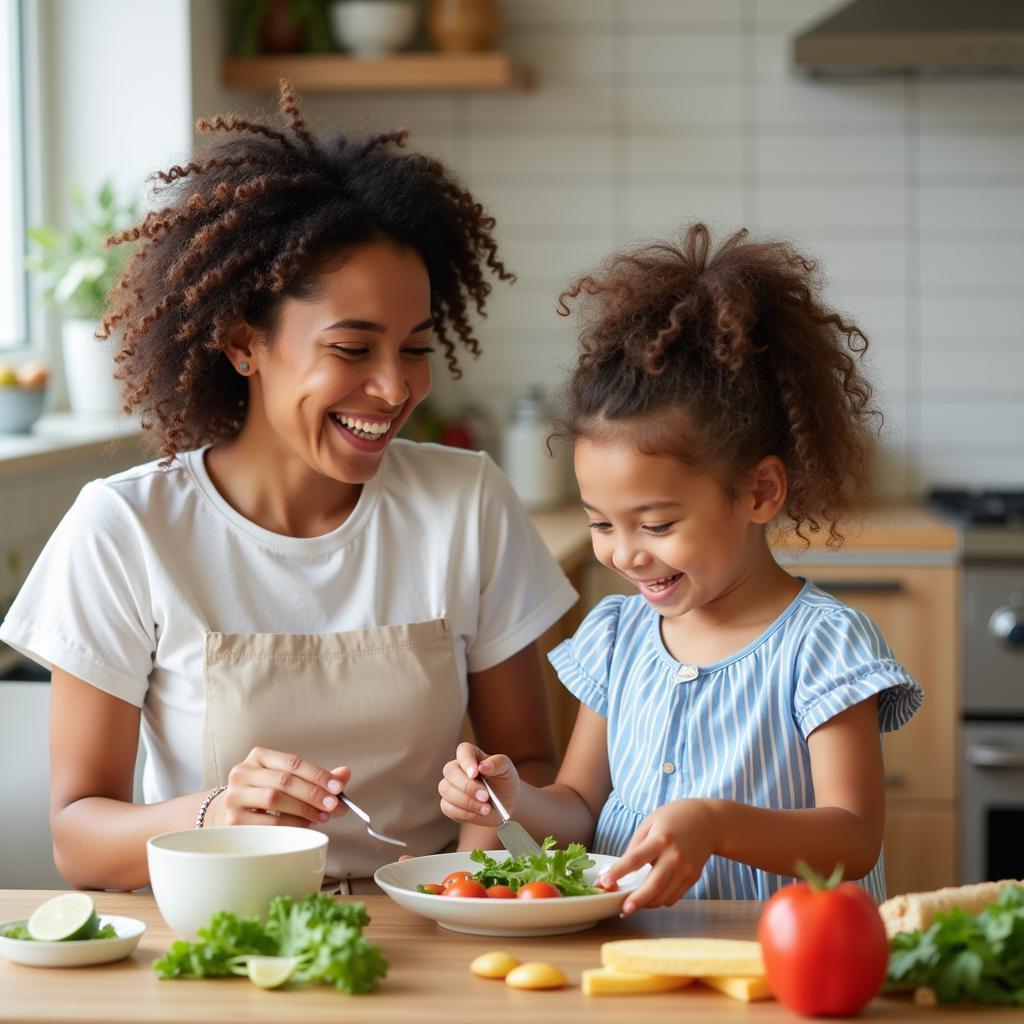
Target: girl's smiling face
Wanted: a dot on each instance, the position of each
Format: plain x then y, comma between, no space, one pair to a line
344,368
671,530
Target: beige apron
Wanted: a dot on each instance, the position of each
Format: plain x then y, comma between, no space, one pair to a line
385,701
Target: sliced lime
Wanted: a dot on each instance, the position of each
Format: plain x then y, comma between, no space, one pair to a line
270,971
65,918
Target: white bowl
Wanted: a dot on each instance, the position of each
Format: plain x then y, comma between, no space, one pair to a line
501,917
78,953
240,868
374,28
20,408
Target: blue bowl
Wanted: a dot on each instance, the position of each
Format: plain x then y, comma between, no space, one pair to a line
20,408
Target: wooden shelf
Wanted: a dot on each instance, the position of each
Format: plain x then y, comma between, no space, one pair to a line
402,72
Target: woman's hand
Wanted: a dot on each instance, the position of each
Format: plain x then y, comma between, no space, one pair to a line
273,788
677,840
463,799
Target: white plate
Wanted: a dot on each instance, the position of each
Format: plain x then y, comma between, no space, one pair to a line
500,917
75,954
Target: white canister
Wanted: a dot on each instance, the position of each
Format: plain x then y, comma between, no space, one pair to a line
537,476
89,369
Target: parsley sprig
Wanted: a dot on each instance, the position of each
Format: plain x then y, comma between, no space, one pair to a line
324,938
562,868
962,956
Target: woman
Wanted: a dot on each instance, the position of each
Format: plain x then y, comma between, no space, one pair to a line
290,598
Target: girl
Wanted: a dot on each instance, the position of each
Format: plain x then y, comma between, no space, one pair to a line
292,597
730,713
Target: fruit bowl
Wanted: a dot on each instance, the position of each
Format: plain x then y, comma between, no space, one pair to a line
20,408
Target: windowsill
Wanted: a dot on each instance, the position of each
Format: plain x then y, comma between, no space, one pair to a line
63,438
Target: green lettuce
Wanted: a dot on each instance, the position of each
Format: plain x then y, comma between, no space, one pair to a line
962,956
324,938
562,868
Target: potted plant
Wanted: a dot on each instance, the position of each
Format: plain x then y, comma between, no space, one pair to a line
279,26
78,271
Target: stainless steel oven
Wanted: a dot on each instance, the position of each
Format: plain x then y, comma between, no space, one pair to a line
992,731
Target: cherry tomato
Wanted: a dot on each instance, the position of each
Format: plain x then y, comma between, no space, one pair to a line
466,888
501,892
538,891
612,886
455,876
825,948
431,888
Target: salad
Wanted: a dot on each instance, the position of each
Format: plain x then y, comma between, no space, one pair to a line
549,874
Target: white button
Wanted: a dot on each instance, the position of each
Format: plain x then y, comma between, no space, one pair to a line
687,673
668,767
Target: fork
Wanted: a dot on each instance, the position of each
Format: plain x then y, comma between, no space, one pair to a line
359,812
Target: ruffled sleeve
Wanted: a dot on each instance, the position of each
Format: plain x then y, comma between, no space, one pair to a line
583,662
844,660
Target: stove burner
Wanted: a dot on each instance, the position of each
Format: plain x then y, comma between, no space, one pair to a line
980,507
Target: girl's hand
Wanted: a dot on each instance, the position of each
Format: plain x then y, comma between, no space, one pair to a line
677,840
273,788
463,799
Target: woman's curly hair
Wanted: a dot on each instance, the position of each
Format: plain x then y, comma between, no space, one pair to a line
721,356
250,223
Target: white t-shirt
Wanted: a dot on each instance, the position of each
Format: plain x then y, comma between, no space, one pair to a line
147,561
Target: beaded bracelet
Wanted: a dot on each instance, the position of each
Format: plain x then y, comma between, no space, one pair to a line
207,800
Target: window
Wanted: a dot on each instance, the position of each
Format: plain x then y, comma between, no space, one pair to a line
13,279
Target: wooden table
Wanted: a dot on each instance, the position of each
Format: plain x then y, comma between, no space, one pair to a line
428,980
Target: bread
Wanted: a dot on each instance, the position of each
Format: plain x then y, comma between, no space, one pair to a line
692,958
915,911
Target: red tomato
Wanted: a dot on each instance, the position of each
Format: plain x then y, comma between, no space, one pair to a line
431,888
455,876
825,948
538,891
612,886
501,892
466,888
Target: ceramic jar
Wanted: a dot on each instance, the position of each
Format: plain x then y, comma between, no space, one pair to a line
463,26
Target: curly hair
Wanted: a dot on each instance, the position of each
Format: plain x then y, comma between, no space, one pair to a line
250,223
720,356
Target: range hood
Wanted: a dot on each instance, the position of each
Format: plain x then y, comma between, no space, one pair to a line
927,36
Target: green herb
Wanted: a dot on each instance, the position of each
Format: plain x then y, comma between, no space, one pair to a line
563,868
964,956
20,932
324,938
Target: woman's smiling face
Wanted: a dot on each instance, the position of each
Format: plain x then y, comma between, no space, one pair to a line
670,530
344,367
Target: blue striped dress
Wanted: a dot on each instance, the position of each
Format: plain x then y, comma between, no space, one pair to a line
737,729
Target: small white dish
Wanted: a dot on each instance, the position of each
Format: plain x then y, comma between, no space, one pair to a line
374,28
501,917
75,954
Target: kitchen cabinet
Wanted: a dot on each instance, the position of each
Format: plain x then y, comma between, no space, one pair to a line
401,72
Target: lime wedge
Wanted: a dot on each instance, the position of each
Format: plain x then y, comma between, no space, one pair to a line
270,971
65,918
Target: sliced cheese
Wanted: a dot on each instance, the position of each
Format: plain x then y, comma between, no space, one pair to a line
603,981
692,958
746,990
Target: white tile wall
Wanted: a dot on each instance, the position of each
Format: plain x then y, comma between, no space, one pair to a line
650,112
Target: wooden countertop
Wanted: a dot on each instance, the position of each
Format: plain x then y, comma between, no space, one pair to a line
889,532
428,980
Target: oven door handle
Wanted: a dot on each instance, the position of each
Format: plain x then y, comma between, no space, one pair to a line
989,755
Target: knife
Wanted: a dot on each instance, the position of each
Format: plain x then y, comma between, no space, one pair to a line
513,836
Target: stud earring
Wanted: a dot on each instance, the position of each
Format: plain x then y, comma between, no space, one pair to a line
244,367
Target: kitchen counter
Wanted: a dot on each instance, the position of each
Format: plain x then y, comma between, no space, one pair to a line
429,978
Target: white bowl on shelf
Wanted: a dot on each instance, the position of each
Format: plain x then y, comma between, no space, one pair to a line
240,868
374,28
